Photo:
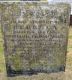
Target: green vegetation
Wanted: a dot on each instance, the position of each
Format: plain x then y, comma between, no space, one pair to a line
16,61
2,65
69,55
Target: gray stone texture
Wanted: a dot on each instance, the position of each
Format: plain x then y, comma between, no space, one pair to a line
35,36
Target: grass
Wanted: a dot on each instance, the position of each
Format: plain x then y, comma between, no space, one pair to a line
2,65
69,55
67,75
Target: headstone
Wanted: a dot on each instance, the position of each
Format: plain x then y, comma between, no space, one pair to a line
35,36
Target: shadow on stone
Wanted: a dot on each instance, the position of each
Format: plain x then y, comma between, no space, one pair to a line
12,73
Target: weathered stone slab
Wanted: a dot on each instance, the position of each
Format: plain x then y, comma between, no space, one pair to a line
35,36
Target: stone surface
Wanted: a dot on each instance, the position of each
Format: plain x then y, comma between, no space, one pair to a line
35,36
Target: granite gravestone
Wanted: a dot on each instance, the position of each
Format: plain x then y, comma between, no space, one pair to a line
35,36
